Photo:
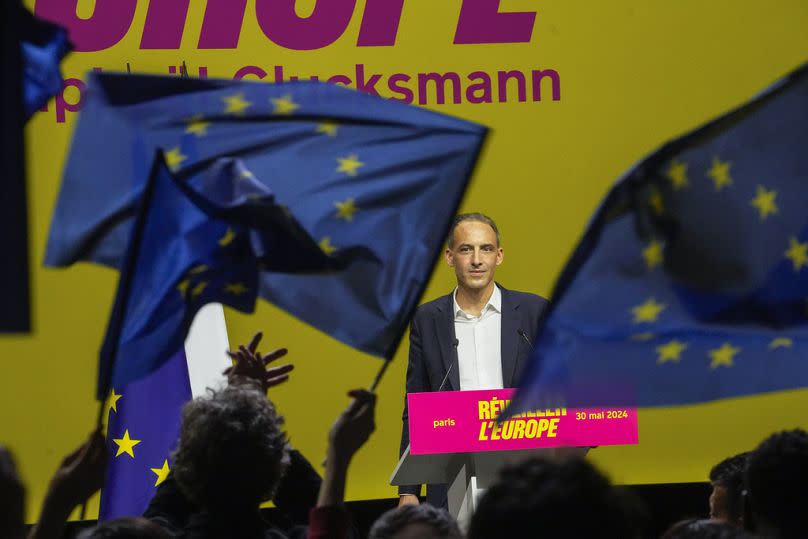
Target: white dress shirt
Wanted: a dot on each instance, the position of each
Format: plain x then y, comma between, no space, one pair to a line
479,351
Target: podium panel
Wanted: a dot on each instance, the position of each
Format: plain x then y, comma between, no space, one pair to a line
466,422
455,439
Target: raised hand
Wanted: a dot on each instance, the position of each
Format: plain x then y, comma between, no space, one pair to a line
348,433
250,364
353,427
80,475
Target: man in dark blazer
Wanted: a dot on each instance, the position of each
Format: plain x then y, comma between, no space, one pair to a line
480,334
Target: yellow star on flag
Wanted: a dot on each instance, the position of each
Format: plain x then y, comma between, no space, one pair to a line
657,203
648,311
198,269
329,128
349,165
653,254
284,105
197,126
719,173
112,401
671,351
174,158
228,238
125,444
764,202
677,173
780,342
236,289
183,287
797,252
236,104
642,337
162,473
346,210
723,357
198,289
325,245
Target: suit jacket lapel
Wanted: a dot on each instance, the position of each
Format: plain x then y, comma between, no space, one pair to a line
445,330
509,337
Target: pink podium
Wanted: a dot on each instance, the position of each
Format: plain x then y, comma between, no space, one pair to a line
455,439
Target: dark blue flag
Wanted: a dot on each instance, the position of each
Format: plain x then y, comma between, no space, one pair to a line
43,46
356,171
691,283
192,247
142,431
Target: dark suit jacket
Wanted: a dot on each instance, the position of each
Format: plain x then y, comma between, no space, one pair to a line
432,351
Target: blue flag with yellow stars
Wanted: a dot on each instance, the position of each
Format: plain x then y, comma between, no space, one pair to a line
142,430
356,170
192,246
691,282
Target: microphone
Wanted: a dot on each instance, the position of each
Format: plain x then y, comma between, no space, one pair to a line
446,377
522,334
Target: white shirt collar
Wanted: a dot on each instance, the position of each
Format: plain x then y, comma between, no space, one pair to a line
494,303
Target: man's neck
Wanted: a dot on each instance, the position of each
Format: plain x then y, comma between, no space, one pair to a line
472,300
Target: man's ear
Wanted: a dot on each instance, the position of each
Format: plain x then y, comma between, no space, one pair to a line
500,255
449,255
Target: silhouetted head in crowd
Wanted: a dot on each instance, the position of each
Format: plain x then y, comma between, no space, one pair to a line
777,485
415,522
126,528
726,498
704,529
12,498
232,450
566,498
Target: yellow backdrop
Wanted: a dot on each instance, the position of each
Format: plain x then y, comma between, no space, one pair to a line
630,74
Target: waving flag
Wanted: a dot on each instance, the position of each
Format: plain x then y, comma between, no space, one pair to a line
192,248
691,283
356,171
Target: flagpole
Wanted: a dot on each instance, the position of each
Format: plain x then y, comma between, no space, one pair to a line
109,349
379,375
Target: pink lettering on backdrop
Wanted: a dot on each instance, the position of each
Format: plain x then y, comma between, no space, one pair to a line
380,23
280,23
221,26
108,24
61,104
481,22
165,22
250,70
345,80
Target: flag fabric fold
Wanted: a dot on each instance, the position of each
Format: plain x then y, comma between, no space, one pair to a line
193,246
357,171
691,281
43,46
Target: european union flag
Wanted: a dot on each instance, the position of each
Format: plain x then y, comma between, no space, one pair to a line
356,171
143,428
192,247
691,282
